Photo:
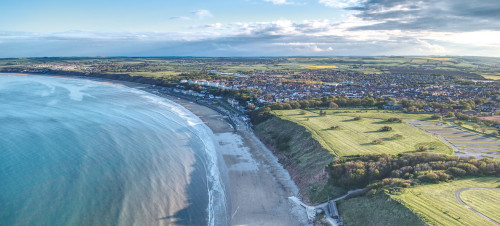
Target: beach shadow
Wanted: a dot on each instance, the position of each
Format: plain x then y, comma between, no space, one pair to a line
195,211
384,122
369,144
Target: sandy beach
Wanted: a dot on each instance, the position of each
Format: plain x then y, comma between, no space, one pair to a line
259,187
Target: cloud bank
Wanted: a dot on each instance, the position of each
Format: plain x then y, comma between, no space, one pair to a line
370,27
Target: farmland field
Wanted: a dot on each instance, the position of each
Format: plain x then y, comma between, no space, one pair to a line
472,67
353,137
492,76
436,204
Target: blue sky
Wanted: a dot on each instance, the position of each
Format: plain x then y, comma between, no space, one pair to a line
32,28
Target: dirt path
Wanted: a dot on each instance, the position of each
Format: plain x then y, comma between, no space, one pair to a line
457,195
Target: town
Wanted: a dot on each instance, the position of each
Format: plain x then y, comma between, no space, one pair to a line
252,83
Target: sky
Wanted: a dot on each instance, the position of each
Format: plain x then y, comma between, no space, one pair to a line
36,28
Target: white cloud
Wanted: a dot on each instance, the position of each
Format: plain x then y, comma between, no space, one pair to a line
306,46
180,18
340,3
271,38
279,2
202,14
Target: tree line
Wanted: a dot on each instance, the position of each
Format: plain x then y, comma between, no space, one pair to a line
406,169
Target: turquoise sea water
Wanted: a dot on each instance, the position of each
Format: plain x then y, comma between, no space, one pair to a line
81,152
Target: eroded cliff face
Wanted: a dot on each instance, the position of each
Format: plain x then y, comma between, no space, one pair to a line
303,157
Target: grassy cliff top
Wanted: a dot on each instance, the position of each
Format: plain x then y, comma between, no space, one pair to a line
356,137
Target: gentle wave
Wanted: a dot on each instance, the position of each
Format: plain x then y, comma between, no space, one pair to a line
83,152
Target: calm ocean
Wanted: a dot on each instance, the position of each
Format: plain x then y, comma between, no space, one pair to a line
82,152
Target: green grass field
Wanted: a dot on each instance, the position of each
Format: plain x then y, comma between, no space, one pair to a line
436,203
492,76
355,137
485,201
377,210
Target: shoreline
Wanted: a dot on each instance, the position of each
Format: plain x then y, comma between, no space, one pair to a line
258,190
257,185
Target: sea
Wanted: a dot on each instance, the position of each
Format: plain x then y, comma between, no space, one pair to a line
84,152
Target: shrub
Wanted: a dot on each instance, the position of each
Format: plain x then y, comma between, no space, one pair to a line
333,105
457,172
471,169
396,182
443,176
429,177
494,133
302,112
450,115
436,116
377,141
423,148
397,137
394,119
385,129
475,126
358,118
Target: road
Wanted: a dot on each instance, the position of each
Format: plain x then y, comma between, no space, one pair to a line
311,210
457,195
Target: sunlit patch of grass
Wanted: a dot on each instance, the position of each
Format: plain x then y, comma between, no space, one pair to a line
320,67
357,136
436,203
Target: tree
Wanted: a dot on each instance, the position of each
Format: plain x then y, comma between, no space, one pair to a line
304,104
475,126
436,116
385,129
397,137
394,119
333,105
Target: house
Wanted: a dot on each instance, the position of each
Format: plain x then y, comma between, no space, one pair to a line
428,108
391,106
